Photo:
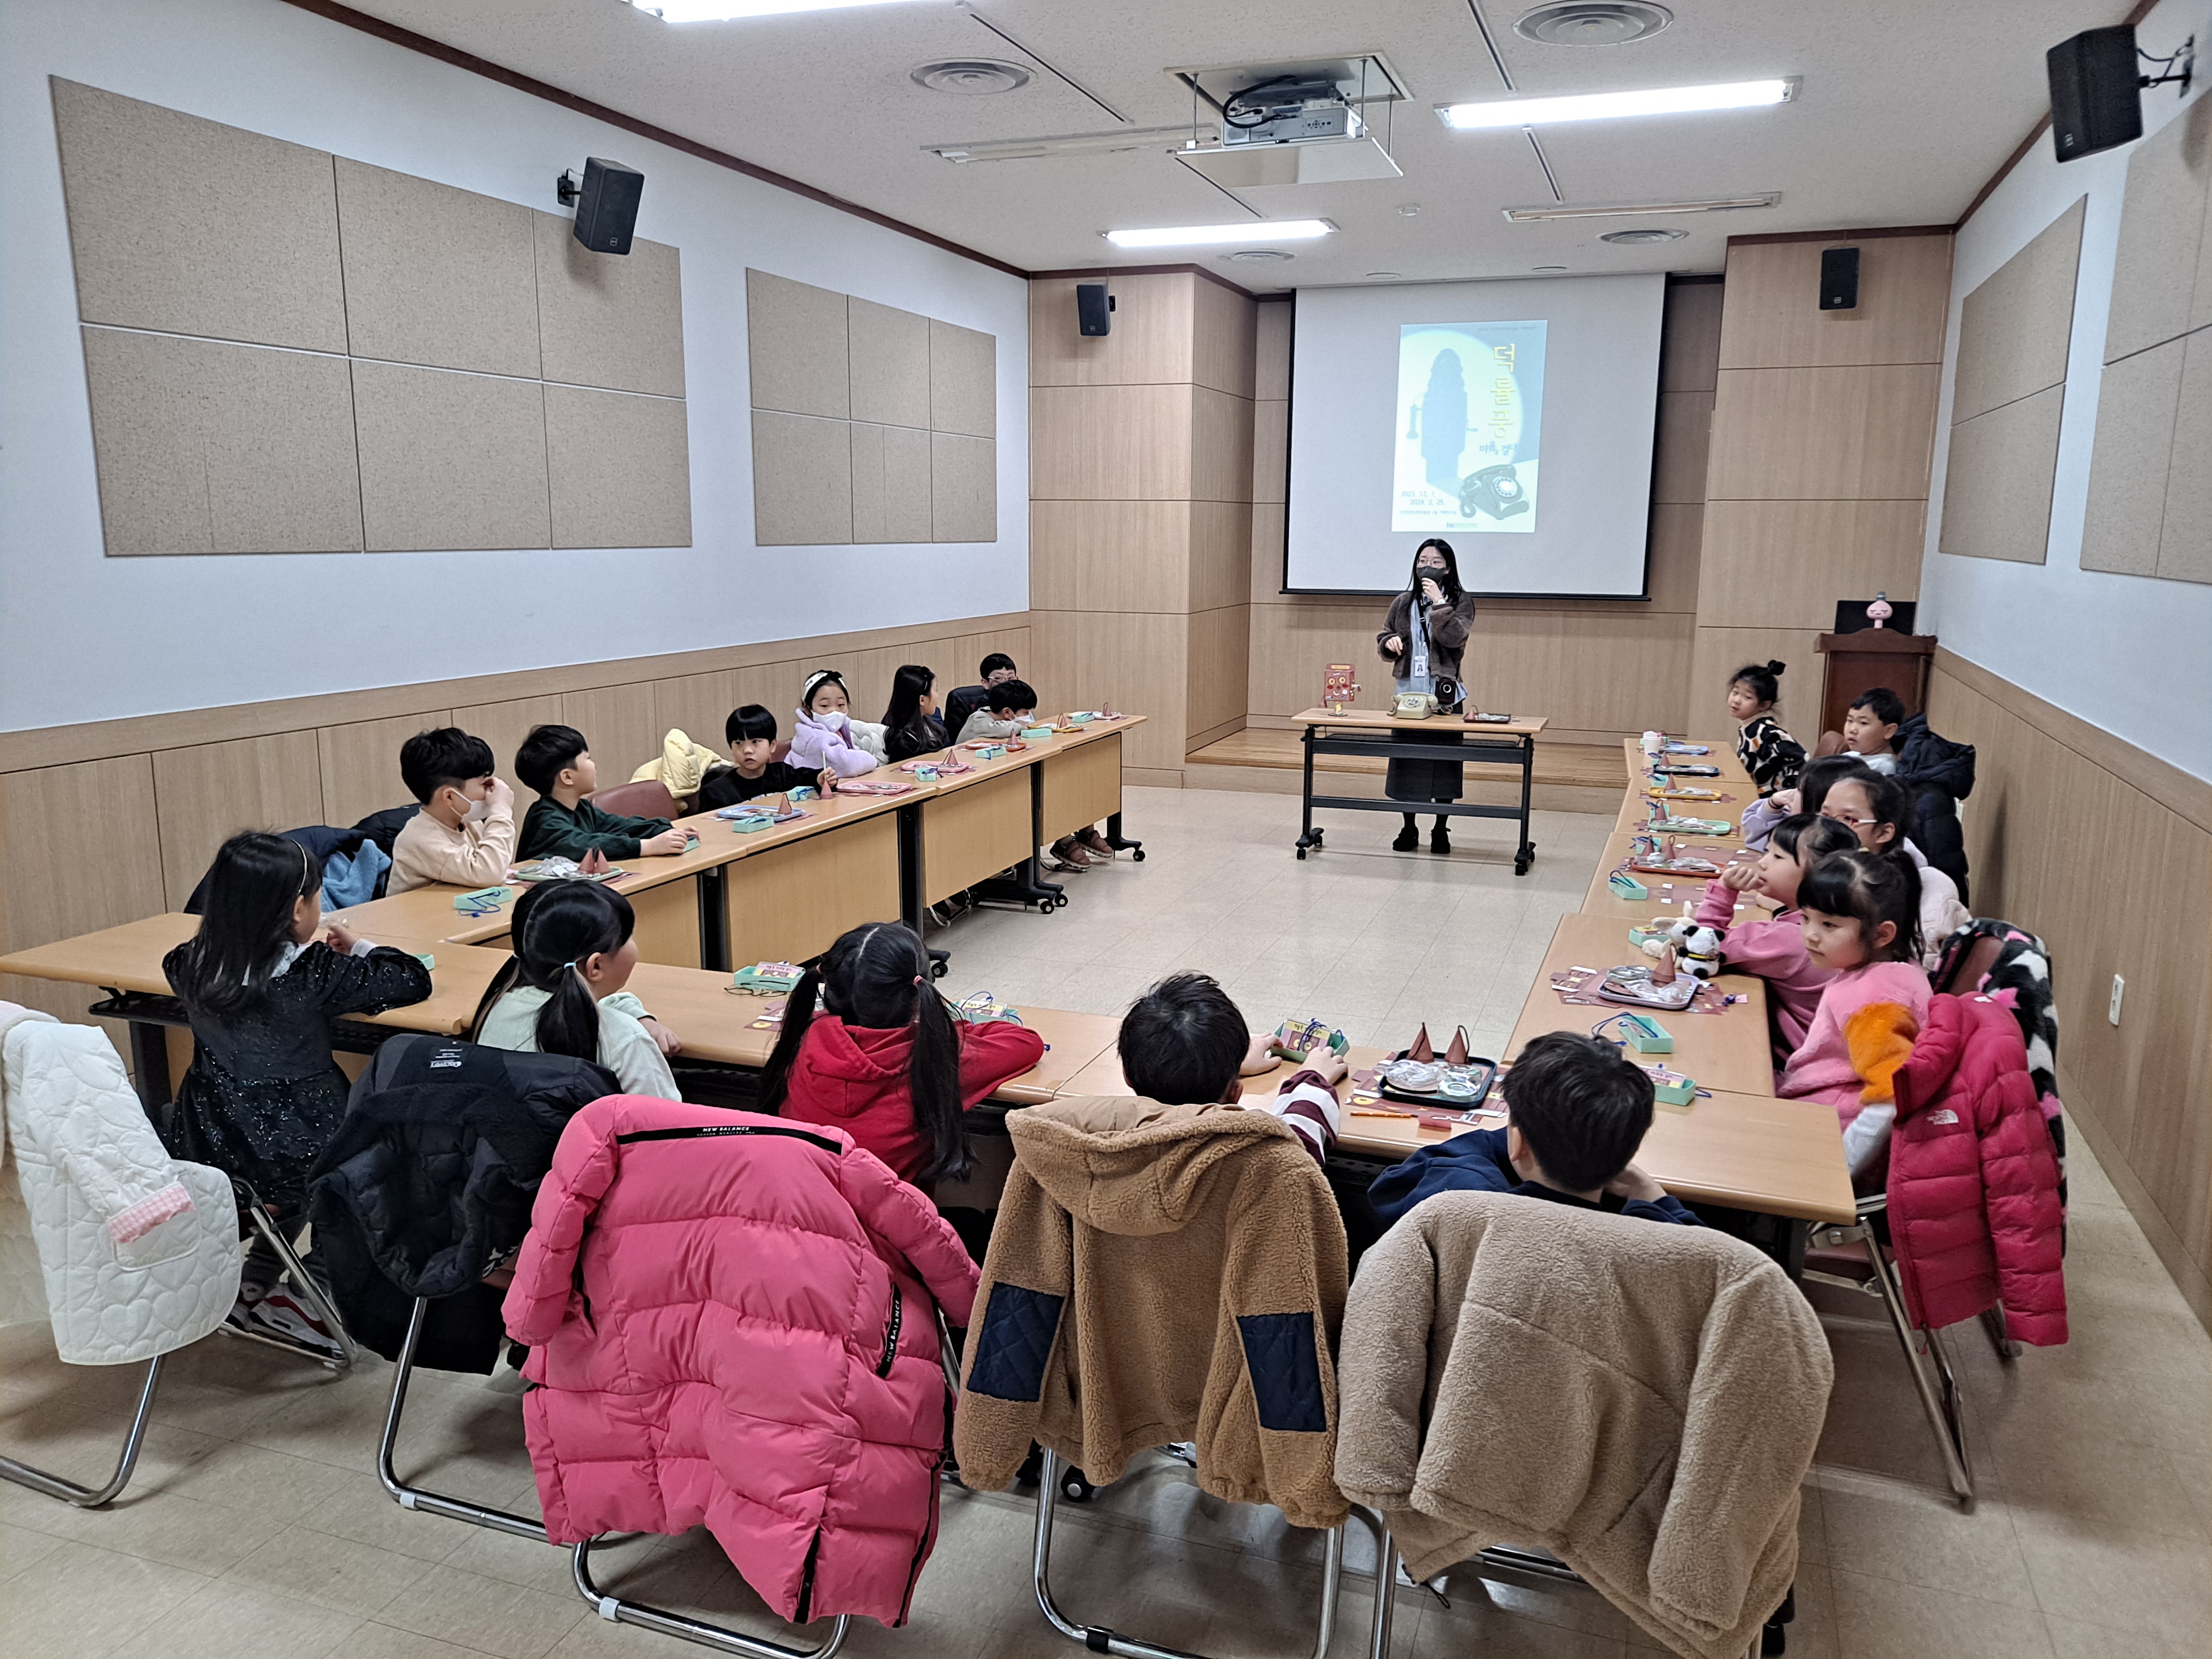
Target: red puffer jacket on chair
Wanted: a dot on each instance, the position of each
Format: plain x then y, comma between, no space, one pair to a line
731,1321
1973,1188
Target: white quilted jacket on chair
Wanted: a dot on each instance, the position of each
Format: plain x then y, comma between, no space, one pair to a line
139,1251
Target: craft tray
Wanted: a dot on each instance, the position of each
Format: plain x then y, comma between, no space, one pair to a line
1437,1100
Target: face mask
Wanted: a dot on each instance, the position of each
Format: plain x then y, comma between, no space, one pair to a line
478,811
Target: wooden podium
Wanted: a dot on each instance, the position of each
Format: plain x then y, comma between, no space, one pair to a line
1872,656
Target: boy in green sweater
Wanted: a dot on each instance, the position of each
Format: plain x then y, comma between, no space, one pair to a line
555,760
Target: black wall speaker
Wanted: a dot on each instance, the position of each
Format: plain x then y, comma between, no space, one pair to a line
606,204
1094,309
1839,278
2095,100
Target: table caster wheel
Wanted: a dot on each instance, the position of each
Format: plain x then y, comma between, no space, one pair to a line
1139,855
1302,853
1074,1487
939,969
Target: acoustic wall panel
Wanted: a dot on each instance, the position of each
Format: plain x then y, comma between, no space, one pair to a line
2184,543
891,484
964,380
2014,329
802,480
449,460
193,228
887,353
2156,268
795,336
435,274
963,487
621,469
2136,405
1997,490
609,322
205,446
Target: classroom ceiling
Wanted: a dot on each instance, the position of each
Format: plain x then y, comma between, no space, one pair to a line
1906,107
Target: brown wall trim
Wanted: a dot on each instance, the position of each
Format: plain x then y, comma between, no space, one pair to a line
2181,792
1105,271
422,43
1864,233
65,745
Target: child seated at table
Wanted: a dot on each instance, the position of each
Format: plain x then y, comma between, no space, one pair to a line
562,991
963,701
1875,808
751,734
1184,1043
1769,754
1870,728
556,762
886,1060
826,737
465,834
1806,795
1579,1110
911,727
1773,947
1862,924
1008,707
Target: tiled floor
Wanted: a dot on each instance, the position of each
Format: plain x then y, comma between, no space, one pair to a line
257,1526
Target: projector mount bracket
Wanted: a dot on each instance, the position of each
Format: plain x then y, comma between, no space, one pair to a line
2178,66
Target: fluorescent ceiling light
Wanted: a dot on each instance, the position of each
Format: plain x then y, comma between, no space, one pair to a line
1253,230
716,11
1521,216
1608,106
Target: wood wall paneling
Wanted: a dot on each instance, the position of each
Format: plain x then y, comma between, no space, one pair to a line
359,765
617,722
1821,433
1271,450
1225,328
1219,643
1683,447
1773,318
1719,651
796,345
1784,564
1221,445
1150,342
698,705
1110,442
1996,489
1690,337
1220,554
1676,555
453,461
1110,556
504,726
607,322
1273,325
2158,286
1270,525
209,793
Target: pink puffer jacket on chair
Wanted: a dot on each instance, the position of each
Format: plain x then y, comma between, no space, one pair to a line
733,1322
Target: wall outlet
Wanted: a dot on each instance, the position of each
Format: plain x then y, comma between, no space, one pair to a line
2119,988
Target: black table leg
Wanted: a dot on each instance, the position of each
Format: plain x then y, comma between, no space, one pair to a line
1521,859
1308,835
1118,843
714,921
909,858
150,1067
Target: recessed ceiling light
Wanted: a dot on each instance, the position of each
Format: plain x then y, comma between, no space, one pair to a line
1649,234
969,77
1260,255
1385,275
1611,105
1592,22
1253,230
1640,209
716,11
1547,268
1409,210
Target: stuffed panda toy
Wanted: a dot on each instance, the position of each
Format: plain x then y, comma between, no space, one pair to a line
1697,947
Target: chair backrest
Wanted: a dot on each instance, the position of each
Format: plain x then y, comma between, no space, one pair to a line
782,750
647,799
1963,973
1830,743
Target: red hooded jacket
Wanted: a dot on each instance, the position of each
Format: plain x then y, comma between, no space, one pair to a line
853,1078
1974,1187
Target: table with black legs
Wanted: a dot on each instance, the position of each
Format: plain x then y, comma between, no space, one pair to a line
1375,734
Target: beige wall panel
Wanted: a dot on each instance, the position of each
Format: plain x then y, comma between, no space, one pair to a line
774,686
796,340
621,469
1773,316
2156,266
1997,490
1681,449
1055,527
1220,645
451,461
2185,546
964,380
1690,337
55,889
193,227
1116,555
1110,443
1271,352
359,765
618,723
1224,339
697,705
435,274
1270,521
1151,343
1271,451
2014,330
1138,660
963,487
887,360
1221,447
1784,564
1825,434
209,793
891,484
1292,641
207,448
1220,554
1674,558
615,323
2136,402
504,726
1718,652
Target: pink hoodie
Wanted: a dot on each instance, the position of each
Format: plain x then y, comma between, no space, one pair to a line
1774,950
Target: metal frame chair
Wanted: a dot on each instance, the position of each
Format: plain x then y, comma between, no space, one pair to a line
94,1498
419,1497
251,1208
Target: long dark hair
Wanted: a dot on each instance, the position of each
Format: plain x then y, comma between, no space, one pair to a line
877,976
1824,774
1450,581
1870,889
252,886
556,926
909,685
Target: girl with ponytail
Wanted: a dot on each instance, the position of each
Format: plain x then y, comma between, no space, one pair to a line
1768,752
561,992
869,1047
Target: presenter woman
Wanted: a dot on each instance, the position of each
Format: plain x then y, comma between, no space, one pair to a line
1422,639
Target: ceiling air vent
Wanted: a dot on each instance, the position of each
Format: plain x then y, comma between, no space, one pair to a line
1259,255
1633,238
971,77
1592,22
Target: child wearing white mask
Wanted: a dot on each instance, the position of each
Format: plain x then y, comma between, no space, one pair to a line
464,835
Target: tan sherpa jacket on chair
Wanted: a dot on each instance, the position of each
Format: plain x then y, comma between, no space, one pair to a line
1160,1273
1642,1401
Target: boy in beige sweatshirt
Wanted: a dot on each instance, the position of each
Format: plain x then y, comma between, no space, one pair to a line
464,836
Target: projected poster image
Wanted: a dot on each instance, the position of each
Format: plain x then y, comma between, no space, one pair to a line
1470,413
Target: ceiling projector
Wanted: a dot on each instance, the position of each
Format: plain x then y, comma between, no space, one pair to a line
1288,114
